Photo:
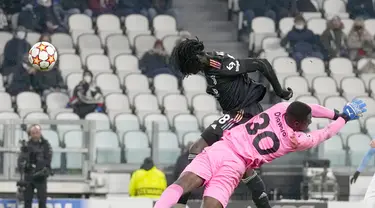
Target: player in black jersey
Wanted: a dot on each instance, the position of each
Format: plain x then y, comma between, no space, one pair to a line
237,94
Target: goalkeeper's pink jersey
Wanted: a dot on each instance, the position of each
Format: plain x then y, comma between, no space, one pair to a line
267,136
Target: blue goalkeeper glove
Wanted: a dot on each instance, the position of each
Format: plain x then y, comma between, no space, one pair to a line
354,109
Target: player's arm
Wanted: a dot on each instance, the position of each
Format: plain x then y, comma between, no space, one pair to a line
318,111
366,159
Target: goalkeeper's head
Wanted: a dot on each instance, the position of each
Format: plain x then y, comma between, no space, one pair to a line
188,57
298,116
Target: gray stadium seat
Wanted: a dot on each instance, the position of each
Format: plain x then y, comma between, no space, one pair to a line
165,84
311,68
204,104
369,126
36,117
359,145
369,25
159,119
209,119
299,85
169,42
6,102
324,87
317,25
89,44
98,63
74,139
32,38
79,24
117,103
332,149
63,42
143,43
145,104
308,99
168,147
353,87
116,45
69,63
271,44
351,127
136,146
72,80
28,102
101,120
340,68
335,102
184,123
56,103
107,147
108,83
174,104
335,8
164,25
286,24
366,76
190,137
194,85
262,27
5,117
125,122
136,84
348,25
67,116
136,24
126,64
54,140
284,67
108,24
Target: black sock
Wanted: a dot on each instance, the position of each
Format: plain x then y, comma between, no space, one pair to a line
258,191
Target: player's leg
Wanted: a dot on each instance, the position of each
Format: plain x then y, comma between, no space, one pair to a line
369,199
210,202
257,188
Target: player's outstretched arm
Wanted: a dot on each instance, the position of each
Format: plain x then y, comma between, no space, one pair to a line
363,165
318,111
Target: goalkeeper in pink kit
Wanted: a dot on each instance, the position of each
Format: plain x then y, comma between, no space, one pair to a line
267,136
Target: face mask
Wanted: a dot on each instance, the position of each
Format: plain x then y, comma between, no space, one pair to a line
21,34
299,26
87,79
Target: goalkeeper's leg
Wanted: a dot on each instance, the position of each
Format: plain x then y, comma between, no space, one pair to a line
257,188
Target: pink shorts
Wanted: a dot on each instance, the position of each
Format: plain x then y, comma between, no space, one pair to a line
221,168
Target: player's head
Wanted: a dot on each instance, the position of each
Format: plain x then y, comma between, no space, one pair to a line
298,116
187,56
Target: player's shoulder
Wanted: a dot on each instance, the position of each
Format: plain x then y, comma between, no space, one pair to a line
218,59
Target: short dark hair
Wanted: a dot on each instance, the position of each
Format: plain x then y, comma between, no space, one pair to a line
184,56
298,111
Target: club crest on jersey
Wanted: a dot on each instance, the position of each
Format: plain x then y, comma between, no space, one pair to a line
215,64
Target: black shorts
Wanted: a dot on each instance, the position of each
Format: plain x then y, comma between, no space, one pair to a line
214,132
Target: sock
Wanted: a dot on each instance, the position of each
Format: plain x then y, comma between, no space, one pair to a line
258,191
169,197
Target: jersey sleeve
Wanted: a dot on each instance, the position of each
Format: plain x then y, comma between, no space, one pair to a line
314,138
366,159
318,111
226,65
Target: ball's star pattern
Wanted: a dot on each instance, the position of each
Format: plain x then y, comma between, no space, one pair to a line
42,47
51,59
36,60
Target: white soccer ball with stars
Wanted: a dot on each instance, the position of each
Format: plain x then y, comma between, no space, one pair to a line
43,56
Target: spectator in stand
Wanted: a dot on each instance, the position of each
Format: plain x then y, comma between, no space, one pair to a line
99,7
285,8
361,8
155,61
15,48
19,78
127,7
3,21
360,42
148,181
71,7
255,8
29,19
334,39
302,41
52,16
161,7
87,97
306,6
12,6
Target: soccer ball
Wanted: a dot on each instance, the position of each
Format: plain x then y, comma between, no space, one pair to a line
43,56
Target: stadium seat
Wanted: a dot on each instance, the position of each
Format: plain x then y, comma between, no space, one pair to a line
286,24
370,26
359,145
136,147
159,119
366,76
6,102
143,43
324,87
136,24
89,44
101,120
32,37
66,116
340,68
5,117
271,44
353,87
194,85
98,63
108,24
335,102
348,24
311,68
209,119
145,104
126,64
317,25
4,38
190,137
36,117
169,42
108,83
203,105
28,102
79,24
308,99
174,104
165,84
56,103
126,122
164,25
333,150
117,44
107,147
168,147
311,15
2,88
74,139
72,80
299,85
274,54
184,123
116,103
14,21
335,8
262,27
53,139
136,84
372,87
369,126
284,67
370,107
69,63
63,43
351,127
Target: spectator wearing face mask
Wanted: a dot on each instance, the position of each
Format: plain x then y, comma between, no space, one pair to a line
87,97
302,41
155,61
15,48
19,77
334,39
360,41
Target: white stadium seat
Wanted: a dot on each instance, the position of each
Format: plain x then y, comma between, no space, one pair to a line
169,42
98,63
66,116
136,84
340,68
28,102
143,43
126,122
312,67
335,8
203,105
308,99
262,27
101,120
284,67
108,24
184,123
370,26
324,87
168,147
353,87
74,139
164,25
159,119
126,64
145,104
116,103
358,144
286,24
107,147
69,63
194,85
108,83
63,43
317,25
174,104
165,84
136,24
136,146
89,44
299,85
117,44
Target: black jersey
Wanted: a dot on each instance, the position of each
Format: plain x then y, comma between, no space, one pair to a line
229,83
